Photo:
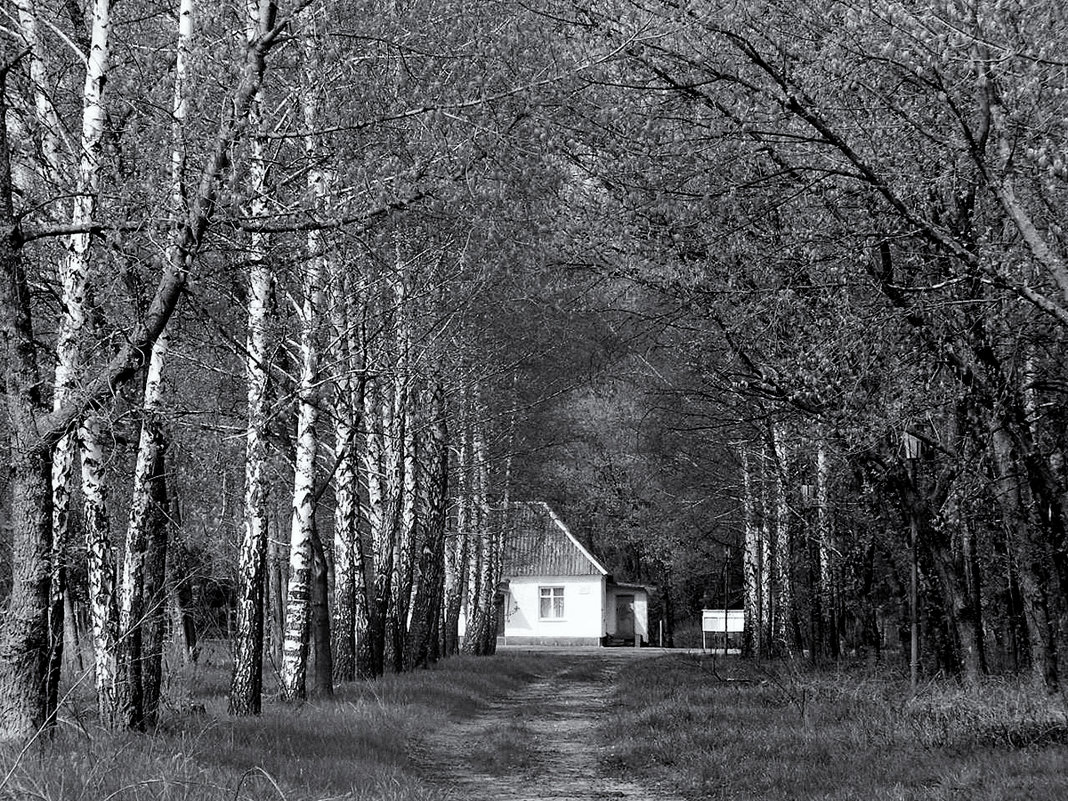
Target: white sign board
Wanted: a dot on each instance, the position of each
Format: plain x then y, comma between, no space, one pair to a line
720,620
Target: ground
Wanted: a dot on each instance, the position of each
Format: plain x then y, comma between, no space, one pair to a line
539,742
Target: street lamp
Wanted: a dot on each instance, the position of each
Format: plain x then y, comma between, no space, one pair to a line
913,451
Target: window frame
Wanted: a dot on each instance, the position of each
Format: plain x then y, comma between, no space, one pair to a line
552,593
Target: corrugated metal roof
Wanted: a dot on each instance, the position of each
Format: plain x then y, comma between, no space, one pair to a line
537,543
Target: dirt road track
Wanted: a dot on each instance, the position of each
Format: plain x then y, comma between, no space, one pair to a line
551,726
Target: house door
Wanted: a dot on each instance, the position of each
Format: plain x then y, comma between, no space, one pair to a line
625,616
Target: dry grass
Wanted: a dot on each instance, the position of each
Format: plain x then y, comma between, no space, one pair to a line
353,747
737,732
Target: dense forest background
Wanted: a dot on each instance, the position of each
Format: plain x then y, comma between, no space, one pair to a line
765,298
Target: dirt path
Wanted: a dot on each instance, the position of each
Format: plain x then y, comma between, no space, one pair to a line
537,743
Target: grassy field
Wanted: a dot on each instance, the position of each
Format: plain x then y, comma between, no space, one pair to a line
354,746
726,730
731,730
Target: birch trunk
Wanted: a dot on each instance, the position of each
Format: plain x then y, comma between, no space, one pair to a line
753,563
371,653
246,681
298,594
456,551
114,687
784,578
828,550
482,586
769,563
132,609
143,594
75,280
406,485
348,548
23,678
434,492
302,535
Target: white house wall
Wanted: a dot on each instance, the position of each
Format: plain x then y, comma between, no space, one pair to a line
584,620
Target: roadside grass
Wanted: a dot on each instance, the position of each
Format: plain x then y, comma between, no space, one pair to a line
352,747
733,730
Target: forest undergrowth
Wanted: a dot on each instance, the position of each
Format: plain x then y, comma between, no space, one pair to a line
728,729
354,746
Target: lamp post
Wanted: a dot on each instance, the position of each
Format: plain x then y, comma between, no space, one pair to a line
913,449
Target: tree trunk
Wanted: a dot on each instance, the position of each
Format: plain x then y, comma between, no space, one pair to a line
25,700
381,518
456,550
828,555
408,524
134,610
298,596
348,548
753,602
155,588
180,586
323,673
114,687
434,491
783,620
1031,563
246,681
482,623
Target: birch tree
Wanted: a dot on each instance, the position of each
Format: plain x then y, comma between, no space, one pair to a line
754,601
246,683
36,430
427,604
348,380
302,535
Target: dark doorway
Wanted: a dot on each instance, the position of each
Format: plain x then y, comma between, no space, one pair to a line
625,616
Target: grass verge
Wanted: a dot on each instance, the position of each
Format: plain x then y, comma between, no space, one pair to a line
353,747
735,731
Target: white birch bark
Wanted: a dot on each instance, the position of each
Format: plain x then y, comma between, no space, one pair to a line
378,417
131,607
456,547
348,561
753,559
481,559
75,278
100,570
783,574
47,119
246,681
767,560
298,601
827,550
404,471
295,638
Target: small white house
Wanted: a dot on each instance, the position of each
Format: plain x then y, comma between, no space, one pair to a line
557,593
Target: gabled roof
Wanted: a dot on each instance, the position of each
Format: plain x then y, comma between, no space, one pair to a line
537,543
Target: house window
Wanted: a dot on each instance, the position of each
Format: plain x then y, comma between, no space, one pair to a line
552,603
